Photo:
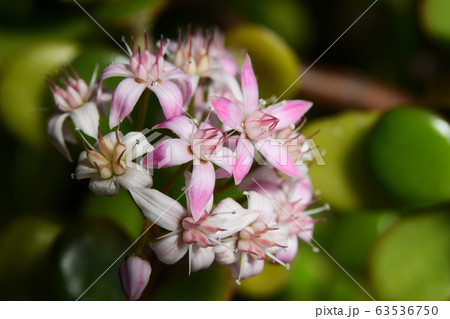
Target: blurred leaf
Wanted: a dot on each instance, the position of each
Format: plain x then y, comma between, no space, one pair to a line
409,151
120,209
435,19
82,254
354,236
24,247
289,18
275,63
412,260
213,283
344,181
22,88
257,287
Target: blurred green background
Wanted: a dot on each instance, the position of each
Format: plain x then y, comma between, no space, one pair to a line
381,105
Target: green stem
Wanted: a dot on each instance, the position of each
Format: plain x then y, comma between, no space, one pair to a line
142,110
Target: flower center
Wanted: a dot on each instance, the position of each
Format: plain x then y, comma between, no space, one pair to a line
259,125
108,159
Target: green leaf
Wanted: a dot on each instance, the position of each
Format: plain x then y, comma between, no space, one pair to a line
22,88
82,254
409,152
412,260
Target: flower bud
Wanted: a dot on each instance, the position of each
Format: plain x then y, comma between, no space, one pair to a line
134,274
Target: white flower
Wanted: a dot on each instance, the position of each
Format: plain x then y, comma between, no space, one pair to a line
110,163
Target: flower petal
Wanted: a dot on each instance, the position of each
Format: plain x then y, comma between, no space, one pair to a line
288,112
249,86
107,187
124,99
228,112
55,130
229,215
180,125
225,253
86,118
244,159
263,205
168,153
135,176
201,257
159,208
170,249
84,168
287,254
136,144
225,160
170,97
248,267
201,187
278,156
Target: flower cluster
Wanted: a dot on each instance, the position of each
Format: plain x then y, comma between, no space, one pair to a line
222,127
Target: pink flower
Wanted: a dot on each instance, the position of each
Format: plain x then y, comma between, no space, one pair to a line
146,70
134,275
256,125
76,101
198,237
110,163
255,243
203,146
207,58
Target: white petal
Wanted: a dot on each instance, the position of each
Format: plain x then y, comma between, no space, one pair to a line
229,215
86,118
107,187
262,204
170,249
248,267
159,208
225,254
55,130
201,257
84,168
135,176
136,144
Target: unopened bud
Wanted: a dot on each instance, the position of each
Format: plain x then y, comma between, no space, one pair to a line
134,275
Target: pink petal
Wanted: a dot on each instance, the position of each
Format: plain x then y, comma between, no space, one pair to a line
227,81
170,97
135,176
180,125
134,275
287,254
86,118
201,187
159,208
170,249
124,100
244,152
278,156
249,86
288,112
201,257
168,153
55,130
228,112
115,69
